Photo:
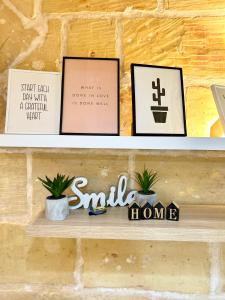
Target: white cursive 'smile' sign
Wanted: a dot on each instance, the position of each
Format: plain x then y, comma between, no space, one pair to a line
117,196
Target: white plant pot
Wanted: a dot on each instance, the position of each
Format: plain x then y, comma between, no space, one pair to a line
141,198
56,209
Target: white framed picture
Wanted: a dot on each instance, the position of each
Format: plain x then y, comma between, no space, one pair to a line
219,98
33,102
158,101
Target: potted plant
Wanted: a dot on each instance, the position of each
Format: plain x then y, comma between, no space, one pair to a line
159,112
56,205
146,180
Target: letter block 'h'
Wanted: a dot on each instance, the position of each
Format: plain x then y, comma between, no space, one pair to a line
134,211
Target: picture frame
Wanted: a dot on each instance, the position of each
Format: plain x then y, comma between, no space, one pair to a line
33,102
163,85
218,92
90,100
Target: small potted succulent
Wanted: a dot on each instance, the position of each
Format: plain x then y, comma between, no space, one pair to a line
56,205
146,180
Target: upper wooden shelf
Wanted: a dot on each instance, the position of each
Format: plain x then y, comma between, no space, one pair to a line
111,142
198,223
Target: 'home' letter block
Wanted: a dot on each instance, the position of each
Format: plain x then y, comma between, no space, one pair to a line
134,211
159,211
146,211
172,212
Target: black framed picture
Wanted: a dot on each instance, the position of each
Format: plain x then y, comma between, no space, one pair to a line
90,103
158,101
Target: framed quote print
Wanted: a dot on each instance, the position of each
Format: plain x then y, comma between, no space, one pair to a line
33,102
90,96
157,101
219,98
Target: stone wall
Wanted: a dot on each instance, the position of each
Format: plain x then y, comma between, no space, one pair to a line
35,34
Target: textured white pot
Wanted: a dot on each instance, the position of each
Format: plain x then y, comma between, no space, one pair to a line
151,198
56,209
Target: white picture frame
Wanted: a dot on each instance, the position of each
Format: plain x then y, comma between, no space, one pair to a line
33,102
218,92
158,101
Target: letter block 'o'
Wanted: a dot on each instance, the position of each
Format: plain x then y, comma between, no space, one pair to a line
146,211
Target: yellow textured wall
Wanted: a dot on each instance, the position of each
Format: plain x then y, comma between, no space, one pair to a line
35,34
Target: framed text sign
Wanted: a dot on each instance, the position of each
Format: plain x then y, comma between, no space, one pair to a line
158,101
90,96
219,98
33,102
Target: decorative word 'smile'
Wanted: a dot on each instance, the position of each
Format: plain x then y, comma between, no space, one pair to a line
117,196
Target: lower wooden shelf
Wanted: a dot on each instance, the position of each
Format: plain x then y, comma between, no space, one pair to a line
198,223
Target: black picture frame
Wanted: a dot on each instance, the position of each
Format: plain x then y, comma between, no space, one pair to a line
136,132
117,115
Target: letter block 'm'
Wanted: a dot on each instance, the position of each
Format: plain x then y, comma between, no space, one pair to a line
159,211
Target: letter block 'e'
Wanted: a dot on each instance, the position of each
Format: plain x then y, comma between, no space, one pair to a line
172,212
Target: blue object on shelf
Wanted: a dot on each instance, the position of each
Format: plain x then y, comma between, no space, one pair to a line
96,211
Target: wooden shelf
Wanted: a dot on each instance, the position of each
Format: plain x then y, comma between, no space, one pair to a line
199,223
111,142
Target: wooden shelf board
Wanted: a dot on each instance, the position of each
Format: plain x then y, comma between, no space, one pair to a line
199,223
111,142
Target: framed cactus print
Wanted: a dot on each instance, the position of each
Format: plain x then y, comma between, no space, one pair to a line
158,101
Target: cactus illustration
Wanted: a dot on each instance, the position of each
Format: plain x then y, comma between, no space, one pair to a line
160,93
159,111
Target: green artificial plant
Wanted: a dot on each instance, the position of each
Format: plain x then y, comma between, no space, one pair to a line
57,186
146,180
